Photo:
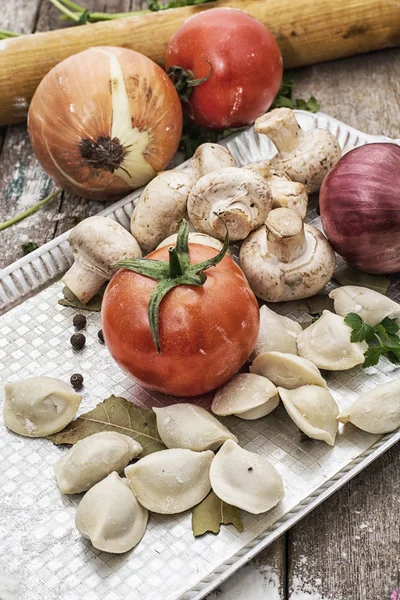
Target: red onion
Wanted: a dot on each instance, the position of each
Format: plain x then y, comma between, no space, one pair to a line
360,207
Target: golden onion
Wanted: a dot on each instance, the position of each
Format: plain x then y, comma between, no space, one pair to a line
103,122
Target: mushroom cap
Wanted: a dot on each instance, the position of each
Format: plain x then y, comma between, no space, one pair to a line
98,243
242,198
327,344
277,333
161,207
246,395
264,169
275,281
318,151
194,238
210,157
313,410
287,370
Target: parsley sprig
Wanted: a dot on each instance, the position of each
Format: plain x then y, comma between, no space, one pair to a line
382,338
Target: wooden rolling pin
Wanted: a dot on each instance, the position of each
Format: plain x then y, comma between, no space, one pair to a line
307,31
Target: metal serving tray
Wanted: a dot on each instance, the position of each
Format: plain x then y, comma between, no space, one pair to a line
42,556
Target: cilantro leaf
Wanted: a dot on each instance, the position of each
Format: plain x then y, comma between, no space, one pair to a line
390,325
372,356
393,356
360,331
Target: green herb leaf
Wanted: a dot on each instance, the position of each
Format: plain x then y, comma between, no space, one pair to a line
29,247
349,276
211,513
372,356
360,331
393,356
311,104
83,19
393,341
71,300
114,414
390,325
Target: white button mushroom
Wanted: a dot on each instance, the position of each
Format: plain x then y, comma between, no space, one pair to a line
286,259
285,192
287,370
239,196
277,333
210,157
90,460
161,207
370,305
194,238
306,156
245,479
189,426
377,411
247,396
110,516
171,481
97,244
39,406
327,344
313,410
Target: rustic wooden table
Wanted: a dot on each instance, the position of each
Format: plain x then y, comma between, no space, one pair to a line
348,548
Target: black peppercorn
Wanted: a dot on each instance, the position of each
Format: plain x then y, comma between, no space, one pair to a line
101,336
78,340
79,321
76,381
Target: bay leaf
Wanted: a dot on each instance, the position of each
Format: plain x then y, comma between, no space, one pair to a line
114,414
350,276
211,513
318,303
71,300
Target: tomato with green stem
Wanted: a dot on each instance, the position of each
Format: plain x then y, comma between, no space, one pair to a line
181,321
234,62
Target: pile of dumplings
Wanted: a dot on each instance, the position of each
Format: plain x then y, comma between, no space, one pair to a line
202,454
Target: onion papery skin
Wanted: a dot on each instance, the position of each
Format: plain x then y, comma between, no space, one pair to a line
103,122
360,207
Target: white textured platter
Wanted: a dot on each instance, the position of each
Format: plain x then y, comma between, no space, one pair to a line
41,552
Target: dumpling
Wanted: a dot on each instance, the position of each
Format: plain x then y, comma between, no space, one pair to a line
313,410
245,479
277,333
110,516
377,411
287,370
171,481
327,344
92,459
372,306
246,395
39,406
189,426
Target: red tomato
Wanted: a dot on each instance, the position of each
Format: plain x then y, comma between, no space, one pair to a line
246,66
206,333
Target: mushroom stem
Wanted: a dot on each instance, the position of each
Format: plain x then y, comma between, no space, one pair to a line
83,282
285,235
281,127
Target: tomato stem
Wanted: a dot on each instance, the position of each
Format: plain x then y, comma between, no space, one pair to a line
178,271
184,80
175,268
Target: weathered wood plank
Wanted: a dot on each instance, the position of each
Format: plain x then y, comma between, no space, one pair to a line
19,15
263,578
349,548
363,91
